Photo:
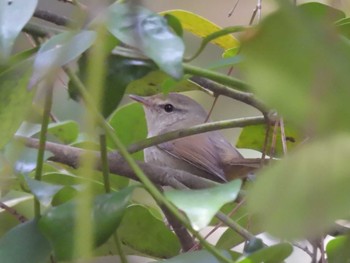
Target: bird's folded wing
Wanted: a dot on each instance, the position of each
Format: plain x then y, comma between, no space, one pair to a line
197,150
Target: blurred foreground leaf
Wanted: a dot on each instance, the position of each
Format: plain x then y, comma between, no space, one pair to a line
306,191
200,213
273,254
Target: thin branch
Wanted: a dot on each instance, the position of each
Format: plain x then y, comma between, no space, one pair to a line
12,211
205,127
52,17
218,89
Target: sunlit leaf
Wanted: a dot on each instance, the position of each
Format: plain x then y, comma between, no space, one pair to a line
306,191
272,254
145,30
321,11
202,27
153,83
14,14
58,51
107,212
200,213
24,243
305,76
142,231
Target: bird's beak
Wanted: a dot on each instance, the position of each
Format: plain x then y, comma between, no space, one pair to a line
140,99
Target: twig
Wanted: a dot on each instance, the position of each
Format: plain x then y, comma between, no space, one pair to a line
241,122
283,137
233,9
245,97
12,211
52,17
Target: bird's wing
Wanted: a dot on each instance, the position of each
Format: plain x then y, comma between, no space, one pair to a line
198,150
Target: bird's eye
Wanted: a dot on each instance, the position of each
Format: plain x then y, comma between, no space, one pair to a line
168,107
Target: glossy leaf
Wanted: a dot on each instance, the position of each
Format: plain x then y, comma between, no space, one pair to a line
107,212
15,99
272,254
201,256
338,250
142,231
307,85
58,51
141,28
253,137
153,83
24,243
130,125
120,73
310,189
200,213
14,15
202,27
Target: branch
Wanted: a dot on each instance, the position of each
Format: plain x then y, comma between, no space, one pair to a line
205,127
159,175
246,97
52,17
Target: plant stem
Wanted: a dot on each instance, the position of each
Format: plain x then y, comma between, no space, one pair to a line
122,256
217,77
42,142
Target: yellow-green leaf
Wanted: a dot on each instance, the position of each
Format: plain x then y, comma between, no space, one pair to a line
202,27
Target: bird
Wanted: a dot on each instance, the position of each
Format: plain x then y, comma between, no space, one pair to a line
207,155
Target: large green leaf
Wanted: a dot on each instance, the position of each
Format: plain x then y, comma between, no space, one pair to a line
144,232
299,65
130,125
201,212
15,99
24,243
145,30
272,254
58,51
13,17
322,11
107,212
338,250
306,191
120,73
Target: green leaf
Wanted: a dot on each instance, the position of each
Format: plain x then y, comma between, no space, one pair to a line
338,250
200,213
305,76
14,15
44,192
143,29
144,232
153,83
343,25
24,243
65,131
130,125
107,212
201,256
58,51
306,191
321,11
15,99
272,254
253,137
175,24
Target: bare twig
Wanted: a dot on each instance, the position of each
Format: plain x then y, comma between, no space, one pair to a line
12,211
52,17
283,136
233,8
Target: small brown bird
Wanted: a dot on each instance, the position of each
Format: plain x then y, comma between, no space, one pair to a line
207,154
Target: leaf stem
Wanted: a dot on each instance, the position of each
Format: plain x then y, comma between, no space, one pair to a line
42,142
104,163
